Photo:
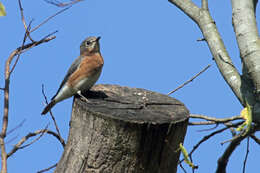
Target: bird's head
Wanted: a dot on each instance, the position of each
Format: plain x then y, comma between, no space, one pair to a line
90,45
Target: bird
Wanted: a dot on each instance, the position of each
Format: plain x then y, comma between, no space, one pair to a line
82,74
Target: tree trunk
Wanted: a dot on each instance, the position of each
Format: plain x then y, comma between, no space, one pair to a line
126,130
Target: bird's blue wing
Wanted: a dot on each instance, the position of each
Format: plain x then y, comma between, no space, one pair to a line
72,69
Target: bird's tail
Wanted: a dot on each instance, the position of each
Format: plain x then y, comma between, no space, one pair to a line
48,107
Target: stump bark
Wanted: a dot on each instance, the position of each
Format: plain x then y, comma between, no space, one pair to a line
124,130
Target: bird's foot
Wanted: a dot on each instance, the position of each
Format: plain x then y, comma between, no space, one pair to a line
82,97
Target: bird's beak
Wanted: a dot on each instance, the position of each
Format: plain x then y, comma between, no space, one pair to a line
98,38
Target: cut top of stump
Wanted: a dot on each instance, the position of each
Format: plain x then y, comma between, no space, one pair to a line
133,105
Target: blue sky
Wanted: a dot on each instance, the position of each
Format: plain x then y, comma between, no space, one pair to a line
145,44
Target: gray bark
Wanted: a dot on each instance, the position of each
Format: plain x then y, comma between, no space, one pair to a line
246,87
245,27
126,130
201,16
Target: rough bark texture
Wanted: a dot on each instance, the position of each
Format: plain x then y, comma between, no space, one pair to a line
126,130
245,27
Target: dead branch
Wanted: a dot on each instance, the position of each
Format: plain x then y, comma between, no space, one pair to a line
201,16
19,146
190,80
183,168
62,4
15,128
47,169
49,18
216,120
16,53
257,140
246,156
202,123
205,138
223,160
27,33
53,118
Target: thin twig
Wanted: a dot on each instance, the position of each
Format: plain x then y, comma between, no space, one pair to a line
2,89
202,123
27,32
205,138
28,136
20,52
49,18
190,80
47,169
204,5
12,139
6,97
16,127
24,139
201,39
182,168
36,139
223,160
209,129
257,140
53,118
232,139
60,4
246,156
216,120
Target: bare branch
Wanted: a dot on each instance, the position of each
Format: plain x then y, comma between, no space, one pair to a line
257,140
205,138
246,156
26,34
16,127
204,5
210,33
33,141
23,20
28,136
190,80
47,169
201,39
201,123
62,4
182,168
49,18
244,23
53,118
216,120
223,160
6,96
12,139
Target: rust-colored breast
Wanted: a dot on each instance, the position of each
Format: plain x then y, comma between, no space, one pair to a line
89,66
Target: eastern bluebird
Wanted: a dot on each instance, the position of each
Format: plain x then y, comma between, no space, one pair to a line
82,74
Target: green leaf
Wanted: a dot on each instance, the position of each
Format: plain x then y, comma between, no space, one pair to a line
246,113
186,156
2,10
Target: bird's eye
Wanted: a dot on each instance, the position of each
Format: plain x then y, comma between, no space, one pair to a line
88,43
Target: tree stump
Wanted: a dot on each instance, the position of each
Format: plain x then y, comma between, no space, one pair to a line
124,130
